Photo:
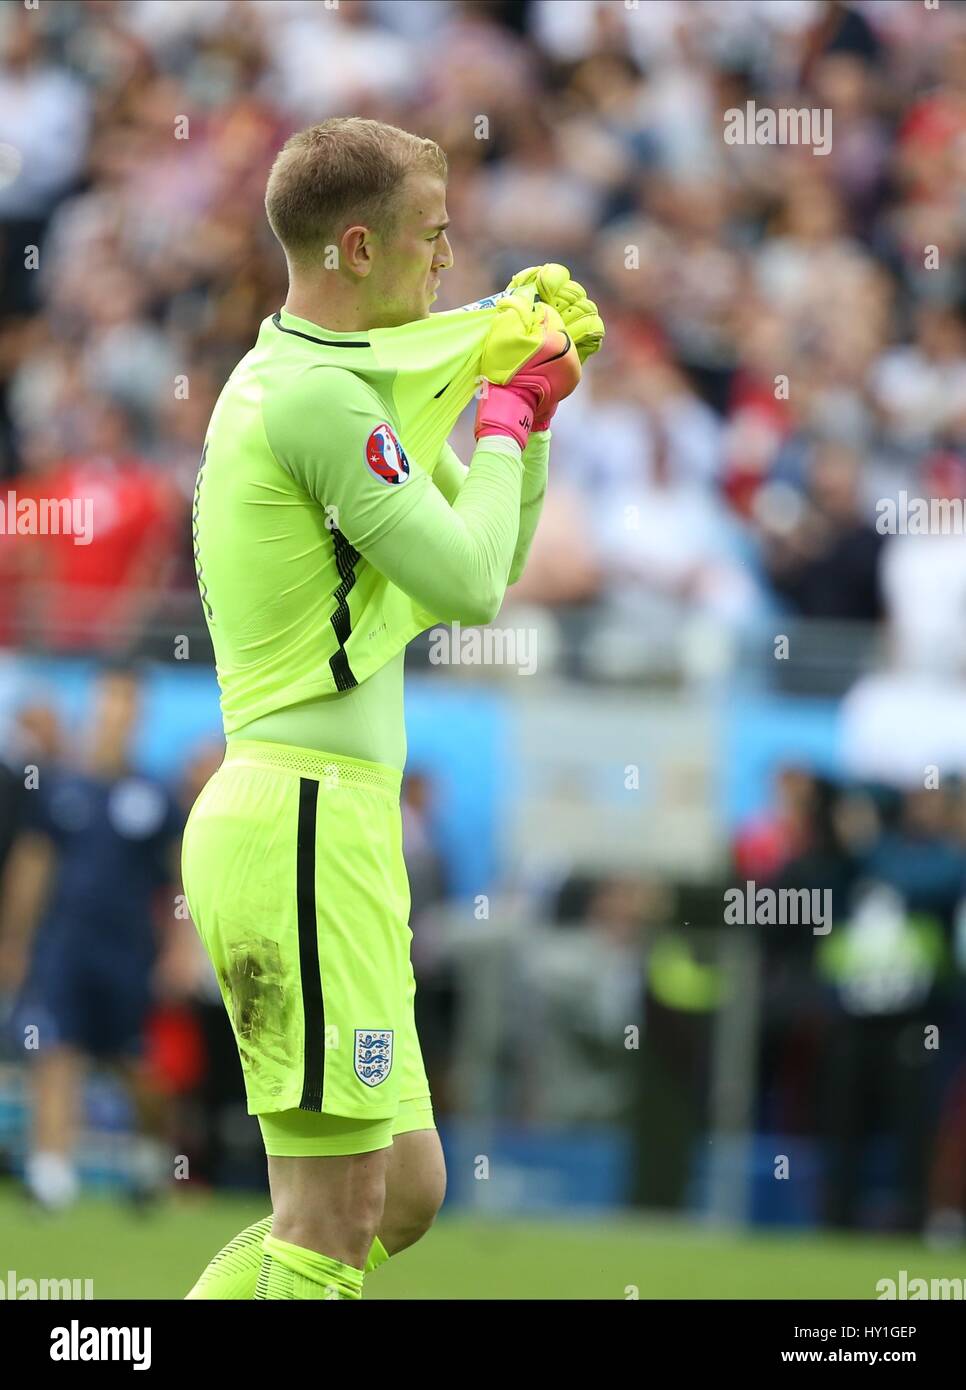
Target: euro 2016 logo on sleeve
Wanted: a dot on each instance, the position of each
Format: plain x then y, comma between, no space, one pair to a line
385,455
373,1055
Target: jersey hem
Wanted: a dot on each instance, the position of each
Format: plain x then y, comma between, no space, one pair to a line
299,694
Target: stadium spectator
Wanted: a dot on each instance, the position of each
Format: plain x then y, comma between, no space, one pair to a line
81,916
44,123
583,980
826,563
883,963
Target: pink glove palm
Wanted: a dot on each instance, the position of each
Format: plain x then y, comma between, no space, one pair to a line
528,401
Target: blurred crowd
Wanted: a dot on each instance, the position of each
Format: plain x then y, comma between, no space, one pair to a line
640,1001
786,346
787,329
864,1021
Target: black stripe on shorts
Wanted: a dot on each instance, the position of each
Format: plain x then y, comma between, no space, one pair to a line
313,1007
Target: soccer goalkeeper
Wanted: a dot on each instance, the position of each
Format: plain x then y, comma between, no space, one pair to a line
322,546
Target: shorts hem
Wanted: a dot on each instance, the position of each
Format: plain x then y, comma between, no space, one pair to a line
414,1115
296,1150
276,1106
311,1134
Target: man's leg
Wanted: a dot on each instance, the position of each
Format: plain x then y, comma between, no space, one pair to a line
151,1153
415,1183
326,1212
57,1076
415,1177
333,1205
299,979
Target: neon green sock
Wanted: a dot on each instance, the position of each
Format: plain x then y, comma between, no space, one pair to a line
290,1271
233,1272
378,1255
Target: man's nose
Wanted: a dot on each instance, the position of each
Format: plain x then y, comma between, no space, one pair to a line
444,254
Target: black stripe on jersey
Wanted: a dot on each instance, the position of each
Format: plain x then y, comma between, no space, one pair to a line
313,1005
326,342
346,556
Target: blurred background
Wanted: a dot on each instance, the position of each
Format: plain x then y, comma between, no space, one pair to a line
733,675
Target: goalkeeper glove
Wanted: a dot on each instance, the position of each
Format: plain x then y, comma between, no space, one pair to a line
516,396
579,314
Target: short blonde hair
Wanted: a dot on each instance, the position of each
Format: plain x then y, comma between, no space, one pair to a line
345,168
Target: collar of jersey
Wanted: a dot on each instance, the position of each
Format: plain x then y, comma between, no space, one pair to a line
294,324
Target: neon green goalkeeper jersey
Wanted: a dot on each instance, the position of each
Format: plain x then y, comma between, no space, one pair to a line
321,545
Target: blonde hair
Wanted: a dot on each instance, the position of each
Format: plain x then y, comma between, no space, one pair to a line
345,168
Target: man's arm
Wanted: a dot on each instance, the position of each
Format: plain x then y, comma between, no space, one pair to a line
453,560
450,474
28,873
536,459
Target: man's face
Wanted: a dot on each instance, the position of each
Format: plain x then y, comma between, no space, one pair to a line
405,274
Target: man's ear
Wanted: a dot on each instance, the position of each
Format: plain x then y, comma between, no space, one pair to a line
355,247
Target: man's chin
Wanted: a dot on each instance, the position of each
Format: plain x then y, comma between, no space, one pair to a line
402,317
395,317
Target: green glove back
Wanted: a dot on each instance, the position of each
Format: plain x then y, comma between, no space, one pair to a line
521,325
579,314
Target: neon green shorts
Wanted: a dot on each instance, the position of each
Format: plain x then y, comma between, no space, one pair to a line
294,875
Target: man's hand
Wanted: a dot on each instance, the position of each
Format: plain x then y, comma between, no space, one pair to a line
578,313
517,400
519,328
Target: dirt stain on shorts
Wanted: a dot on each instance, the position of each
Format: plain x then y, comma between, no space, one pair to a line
261,1006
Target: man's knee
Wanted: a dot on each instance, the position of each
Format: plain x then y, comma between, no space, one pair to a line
345,1209
350,1225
